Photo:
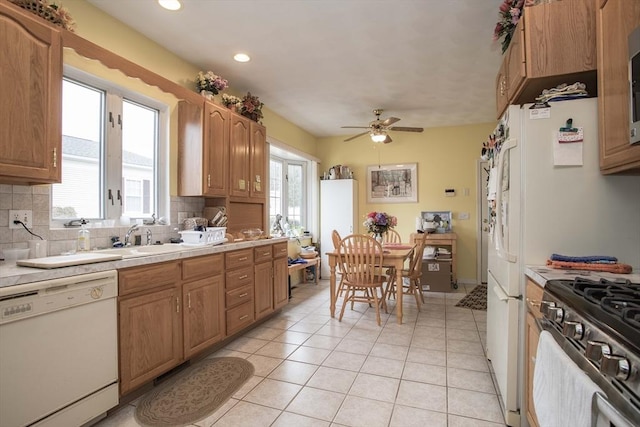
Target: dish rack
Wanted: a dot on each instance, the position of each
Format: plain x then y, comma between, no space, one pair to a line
211,236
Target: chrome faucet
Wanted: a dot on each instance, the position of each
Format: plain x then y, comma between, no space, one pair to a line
127,236
149,237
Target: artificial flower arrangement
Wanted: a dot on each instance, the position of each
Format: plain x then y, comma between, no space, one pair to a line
230,101
210,82
52,12
379,222
251,107
509,12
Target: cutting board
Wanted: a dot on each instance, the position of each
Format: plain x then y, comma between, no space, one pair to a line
67,260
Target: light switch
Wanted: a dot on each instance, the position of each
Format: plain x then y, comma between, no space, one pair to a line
449,192
463,215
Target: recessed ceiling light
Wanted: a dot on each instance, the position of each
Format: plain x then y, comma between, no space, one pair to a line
241,57
170,4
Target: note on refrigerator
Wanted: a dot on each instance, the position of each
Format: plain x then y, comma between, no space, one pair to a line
492,186
567,151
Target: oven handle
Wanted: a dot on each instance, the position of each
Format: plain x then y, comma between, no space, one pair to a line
600,405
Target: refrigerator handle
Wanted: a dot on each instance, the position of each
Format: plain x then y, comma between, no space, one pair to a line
502,252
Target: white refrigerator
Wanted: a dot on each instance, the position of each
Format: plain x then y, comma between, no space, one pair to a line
547,197
338,211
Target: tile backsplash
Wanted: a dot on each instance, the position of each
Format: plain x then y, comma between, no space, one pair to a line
37,199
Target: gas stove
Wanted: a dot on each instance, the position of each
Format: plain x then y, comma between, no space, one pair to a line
597,323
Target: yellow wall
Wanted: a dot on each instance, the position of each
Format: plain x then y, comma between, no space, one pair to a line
446,157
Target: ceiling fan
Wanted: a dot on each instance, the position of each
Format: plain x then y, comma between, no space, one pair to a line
378,128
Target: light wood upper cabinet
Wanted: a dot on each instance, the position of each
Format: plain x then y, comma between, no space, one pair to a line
203,149
616,20
239,156
31,100
553,43
258,161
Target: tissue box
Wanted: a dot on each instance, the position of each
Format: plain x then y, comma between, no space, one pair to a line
212,236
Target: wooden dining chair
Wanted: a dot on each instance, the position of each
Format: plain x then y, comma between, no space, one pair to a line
413,274
391,236
361,259
335,237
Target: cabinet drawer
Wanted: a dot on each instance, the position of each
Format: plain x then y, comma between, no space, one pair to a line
240,258
280,250
239,296
238,278
204,266
239,317
263,253
151,276
534,297
433,242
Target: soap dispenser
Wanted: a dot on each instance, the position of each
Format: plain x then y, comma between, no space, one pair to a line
83,237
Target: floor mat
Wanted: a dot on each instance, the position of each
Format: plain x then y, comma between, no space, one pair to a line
476,299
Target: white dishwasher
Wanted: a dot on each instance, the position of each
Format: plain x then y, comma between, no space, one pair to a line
58,350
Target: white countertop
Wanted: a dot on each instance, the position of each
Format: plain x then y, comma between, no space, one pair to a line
541,273
11,275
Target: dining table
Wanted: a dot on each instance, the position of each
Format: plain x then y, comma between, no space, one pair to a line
394,256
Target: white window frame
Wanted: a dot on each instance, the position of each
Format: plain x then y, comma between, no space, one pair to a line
304,218
112,178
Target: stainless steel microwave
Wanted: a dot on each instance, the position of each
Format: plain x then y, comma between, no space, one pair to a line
634,85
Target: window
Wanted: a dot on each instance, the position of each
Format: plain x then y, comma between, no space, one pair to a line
111,140
286,193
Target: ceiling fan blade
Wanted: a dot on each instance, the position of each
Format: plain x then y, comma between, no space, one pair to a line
356,136
387,140
389,121
354,127
405,129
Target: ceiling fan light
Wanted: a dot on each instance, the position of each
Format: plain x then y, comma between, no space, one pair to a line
378,136
170,4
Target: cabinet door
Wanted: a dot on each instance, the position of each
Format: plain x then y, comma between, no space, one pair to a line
532,336
31,101
502,98
204,314
216,150
150,328
616,20
263,289
239,156
281,282
515,61
258,161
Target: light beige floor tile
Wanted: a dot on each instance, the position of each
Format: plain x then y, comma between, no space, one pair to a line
474,404
318,318
123,417
430,322
292,337
246,344
362,412
359,334
350,345
279,323
307,327
375,387
288,419
315,403
389,351
309,355
463,335
422,373
338,380
278,350
246,414
263,365
322,341
429,343
224,352
430,333
468,347
263,333
383,367
395,338
334,330
423,396
293,372
430,357
405,416
470,380
273,393
458,421
461,324
455,313
467,361
247,387
211,419
342,360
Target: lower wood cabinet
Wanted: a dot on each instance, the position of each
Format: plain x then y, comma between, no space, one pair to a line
263,281
532,335
280,275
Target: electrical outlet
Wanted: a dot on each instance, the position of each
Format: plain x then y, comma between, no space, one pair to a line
20,215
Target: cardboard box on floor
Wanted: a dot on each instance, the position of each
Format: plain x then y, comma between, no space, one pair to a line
436,275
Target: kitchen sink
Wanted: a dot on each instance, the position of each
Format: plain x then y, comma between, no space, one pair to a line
138,251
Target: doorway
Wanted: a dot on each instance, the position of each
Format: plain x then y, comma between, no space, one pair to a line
483,220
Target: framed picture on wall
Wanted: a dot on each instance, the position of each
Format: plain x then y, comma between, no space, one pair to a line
392,183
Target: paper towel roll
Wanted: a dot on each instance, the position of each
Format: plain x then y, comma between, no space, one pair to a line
418,223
